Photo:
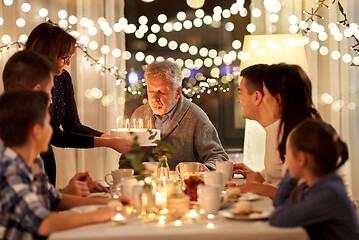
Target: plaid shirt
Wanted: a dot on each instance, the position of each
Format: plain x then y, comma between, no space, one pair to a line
26,196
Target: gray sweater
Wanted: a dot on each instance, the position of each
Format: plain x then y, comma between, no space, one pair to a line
202,145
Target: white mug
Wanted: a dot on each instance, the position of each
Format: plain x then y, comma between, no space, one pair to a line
215,178
186,167
209,198
125,187
227,168
118,174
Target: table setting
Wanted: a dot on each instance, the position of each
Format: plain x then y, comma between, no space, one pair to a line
186,204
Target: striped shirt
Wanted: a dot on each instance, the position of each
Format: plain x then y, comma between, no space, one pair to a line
26,196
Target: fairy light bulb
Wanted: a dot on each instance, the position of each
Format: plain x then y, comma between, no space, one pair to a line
116,53
227,14
293,19
256,12
172,45
197,22
162,18
152,38
26,7
195,4
347,58
105,49
155,28
126,55
43,12
207,20
72,19
323,50
251,27
335,55
149,59
199,13
63,23
62,14
187,24
229,26
6,39
20,22
93,45
181,16
8,2
162,42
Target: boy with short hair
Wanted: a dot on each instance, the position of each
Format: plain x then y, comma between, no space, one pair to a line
27,197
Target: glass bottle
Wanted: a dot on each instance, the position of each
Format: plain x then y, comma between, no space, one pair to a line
163,170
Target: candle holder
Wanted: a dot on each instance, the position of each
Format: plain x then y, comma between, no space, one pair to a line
118,219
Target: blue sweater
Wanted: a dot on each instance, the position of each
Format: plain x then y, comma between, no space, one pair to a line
324,210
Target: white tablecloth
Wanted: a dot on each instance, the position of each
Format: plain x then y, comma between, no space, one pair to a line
223,229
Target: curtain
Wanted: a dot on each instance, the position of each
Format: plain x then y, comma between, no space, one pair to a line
99,114
334,77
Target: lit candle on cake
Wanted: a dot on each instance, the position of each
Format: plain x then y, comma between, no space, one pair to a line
128,124
134,123
140,124
117,121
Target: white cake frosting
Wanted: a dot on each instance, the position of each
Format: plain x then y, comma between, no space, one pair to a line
143,135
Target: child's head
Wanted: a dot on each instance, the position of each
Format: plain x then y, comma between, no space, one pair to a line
24,114
28,70
319,144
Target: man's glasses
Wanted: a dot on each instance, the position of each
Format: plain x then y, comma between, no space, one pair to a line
66,59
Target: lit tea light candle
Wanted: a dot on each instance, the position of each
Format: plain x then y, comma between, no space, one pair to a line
161,222
118,219
160,199
117,121
210,216
178,222
210,225
193,214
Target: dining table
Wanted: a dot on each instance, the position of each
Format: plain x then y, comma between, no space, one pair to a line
215,227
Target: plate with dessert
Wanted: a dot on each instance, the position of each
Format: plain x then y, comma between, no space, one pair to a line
244,211
234,194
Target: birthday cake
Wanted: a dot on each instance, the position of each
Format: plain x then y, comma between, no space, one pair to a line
143,135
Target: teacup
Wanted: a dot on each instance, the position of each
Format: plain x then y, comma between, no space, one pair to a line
227,168
215,178
209,198
186,167
118,174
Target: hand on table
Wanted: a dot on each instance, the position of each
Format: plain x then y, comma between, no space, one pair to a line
95,186
255,177
241,168
77,185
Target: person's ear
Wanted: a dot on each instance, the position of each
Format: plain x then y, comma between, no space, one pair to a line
258,97
279,99
37,87
179,92
35,132
302,159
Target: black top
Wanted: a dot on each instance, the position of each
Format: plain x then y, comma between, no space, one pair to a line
64,113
